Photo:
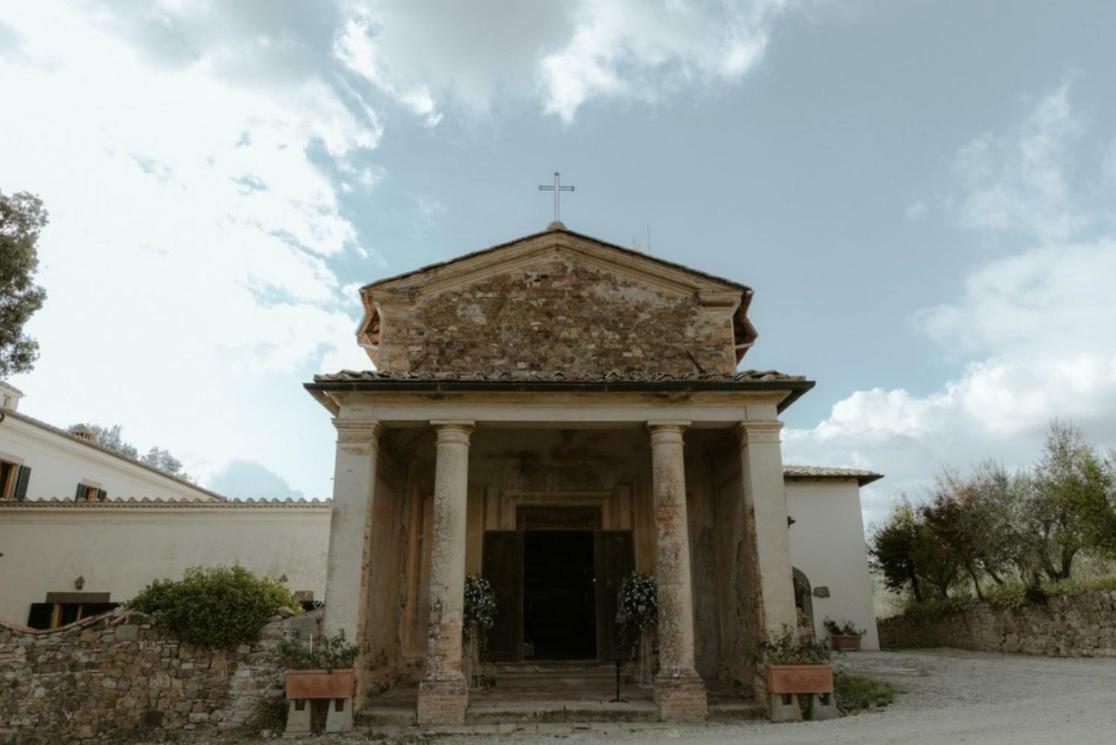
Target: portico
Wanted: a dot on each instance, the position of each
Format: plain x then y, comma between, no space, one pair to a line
554,469
441,477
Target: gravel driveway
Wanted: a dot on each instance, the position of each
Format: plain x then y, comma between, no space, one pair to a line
950,697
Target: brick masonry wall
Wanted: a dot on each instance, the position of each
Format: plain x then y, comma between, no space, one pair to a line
558,314
117,677
1067,626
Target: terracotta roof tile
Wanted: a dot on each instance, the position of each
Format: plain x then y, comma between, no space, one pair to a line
745,376
806,473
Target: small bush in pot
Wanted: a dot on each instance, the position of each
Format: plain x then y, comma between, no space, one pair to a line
795,666
319,668
844,637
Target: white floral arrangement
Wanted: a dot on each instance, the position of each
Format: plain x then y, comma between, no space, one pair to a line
637,602
480,602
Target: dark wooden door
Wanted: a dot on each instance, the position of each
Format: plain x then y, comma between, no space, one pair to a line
615,560
503,568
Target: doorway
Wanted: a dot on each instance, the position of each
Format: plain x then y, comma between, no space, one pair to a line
556,579
559,598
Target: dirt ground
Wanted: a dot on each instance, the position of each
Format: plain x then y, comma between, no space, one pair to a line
949,696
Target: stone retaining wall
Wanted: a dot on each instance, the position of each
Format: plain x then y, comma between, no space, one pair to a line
1066,626
117,676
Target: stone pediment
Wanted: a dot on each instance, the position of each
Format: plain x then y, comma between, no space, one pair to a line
587,302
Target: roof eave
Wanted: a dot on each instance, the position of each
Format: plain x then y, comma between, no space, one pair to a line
794,388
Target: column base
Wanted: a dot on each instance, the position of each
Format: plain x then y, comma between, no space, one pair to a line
442,702
681,699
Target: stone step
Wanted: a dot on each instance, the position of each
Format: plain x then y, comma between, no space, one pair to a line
560,711
376,716
736,711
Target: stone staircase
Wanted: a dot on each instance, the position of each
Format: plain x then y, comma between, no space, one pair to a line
540,692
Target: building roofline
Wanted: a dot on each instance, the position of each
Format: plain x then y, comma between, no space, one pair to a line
827,473
168,504
10,387
19,415
750,380
558,228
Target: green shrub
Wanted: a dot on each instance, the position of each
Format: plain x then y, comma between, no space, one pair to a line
847,628
935,608
786,649
216,606
1078,585
855,693
325,653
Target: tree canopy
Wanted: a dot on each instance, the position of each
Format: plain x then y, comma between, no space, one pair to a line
22,218
113,439
978,530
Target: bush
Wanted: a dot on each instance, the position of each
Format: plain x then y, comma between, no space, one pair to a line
215,607
787,650
855,693
848,628
480,603
938,607
329,653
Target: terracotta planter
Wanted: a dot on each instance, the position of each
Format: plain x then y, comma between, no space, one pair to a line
319,684
800,678
845,642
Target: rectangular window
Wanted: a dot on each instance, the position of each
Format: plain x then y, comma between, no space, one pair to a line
89,493
13,481
62,608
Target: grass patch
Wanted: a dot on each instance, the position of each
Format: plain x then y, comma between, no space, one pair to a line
856,694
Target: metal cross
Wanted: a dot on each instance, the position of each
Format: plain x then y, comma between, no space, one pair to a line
557,188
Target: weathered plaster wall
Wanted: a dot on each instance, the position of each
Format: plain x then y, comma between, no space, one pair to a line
557,313
827,545
1066,626
119,549
736,572
703,563
116,677
380,653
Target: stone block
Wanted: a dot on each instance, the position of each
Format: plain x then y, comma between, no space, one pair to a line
298,717
783,707
681,699
442,702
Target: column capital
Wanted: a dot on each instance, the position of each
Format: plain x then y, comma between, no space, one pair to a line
366,431
666,430
759,430
453,431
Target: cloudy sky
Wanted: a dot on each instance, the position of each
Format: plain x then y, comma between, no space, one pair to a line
922,194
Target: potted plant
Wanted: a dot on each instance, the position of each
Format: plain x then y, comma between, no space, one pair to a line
315,670
794,668
637,612
844,637
480,617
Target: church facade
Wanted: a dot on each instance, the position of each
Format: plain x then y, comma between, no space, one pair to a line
552,413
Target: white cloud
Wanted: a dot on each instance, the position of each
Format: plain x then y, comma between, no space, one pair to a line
187,257
916,210
566,53
1018,181
1036,325
642,50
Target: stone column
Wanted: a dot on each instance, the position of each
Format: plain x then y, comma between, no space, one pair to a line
347,570
765,502
679,691
444,692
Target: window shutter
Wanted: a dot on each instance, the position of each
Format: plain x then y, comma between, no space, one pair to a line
79,495
22,478
39,617
102,495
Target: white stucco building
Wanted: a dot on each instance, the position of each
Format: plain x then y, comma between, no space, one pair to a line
41,461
